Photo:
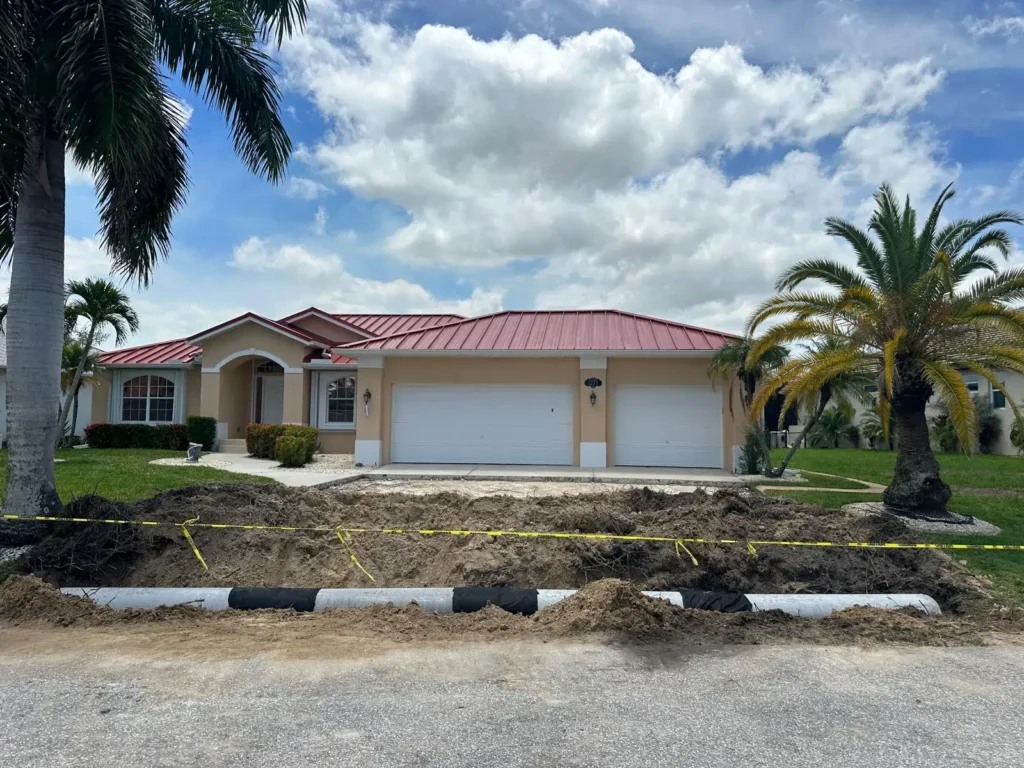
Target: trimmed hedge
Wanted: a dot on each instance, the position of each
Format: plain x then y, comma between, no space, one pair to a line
201,429
261,439
170,437
290,450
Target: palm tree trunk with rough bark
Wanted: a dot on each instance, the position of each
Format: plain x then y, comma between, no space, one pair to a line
917,489
76,382
35,330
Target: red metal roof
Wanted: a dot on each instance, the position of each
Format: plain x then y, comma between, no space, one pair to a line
177,351
386,325
283,327
587,330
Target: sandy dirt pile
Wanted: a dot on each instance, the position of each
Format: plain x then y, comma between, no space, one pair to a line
608,610
161,557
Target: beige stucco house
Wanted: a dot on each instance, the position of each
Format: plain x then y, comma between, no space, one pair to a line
586,388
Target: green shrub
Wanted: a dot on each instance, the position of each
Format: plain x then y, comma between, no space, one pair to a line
201,429
990,428
290,451
169,437
753,459
1017,437
261,439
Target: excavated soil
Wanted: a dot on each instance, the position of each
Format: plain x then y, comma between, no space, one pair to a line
606,610
89,555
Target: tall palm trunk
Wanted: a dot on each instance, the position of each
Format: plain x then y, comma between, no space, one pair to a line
74,411
76,382
35,329
917,489
823,399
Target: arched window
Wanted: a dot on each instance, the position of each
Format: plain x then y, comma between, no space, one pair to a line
148,398
341,400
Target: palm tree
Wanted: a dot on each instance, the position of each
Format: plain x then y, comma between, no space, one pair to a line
731,364
100,303
916,311
87,77
74,359
872,429
841,389
833,426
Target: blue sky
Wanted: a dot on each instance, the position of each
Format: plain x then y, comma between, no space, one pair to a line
662,156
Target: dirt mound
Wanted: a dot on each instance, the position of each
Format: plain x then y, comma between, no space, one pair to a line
607,610
161,557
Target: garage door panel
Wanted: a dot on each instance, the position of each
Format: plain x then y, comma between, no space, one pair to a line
482,424
670,426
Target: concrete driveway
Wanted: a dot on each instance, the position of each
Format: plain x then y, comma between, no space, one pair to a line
518,705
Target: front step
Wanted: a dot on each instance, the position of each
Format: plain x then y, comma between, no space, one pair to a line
232,445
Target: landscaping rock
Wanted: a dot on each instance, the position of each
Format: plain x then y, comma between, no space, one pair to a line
967,525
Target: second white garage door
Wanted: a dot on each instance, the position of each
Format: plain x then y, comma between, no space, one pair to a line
482,425
668,427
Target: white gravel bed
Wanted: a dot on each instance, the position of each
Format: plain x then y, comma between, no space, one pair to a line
204,461
516,489
975,527
328,463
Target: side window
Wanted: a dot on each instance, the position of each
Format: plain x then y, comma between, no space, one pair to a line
341,400
998,398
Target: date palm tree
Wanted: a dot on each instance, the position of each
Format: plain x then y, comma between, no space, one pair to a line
731,364
100,303
921,306
88,78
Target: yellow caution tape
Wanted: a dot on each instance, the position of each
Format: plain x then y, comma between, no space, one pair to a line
188,538
680,542
344,537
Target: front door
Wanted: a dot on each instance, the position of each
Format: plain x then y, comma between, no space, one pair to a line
272,399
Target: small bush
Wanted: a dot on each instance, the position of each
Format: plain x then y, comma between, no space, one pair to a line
990,428
261,439
753,459
1017,437
290,451
170,437
201,429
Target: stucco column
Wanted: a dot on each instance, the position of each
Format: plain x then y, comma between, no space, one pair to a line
293,398
369,417
209,401
593,416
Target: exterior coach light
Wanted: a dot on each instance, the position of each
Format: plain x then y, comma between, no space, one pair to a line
593,397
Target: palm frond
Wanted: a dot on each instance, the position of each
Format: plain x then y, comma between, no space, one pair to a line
831,272
1007,286
950,387
278,18
869,259
926,242
214,49
890,351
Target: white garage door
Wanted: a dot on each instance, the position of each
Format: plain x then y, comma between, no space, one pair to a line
482,425
668,427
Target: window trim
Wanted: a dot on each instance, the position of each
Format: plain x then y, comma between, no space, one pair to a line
320,382
992,397
149,398
178,377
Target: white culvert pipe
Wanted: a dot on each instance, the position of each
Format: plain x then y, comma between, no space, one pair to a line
468,599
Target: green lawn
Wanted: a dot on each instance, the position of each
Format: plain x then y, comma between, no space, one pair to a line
125,475
877,466
816,480
1006,569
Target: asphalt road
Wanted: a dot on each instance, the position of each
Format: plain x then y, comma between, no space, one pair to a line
520,705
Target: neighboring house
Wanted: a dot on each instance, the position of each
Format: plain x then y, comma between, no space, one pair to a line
506,388
976,385
84,398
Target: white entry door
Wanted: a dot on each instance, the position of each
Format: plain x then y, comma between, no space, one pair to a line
672,426
272,404
482,424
